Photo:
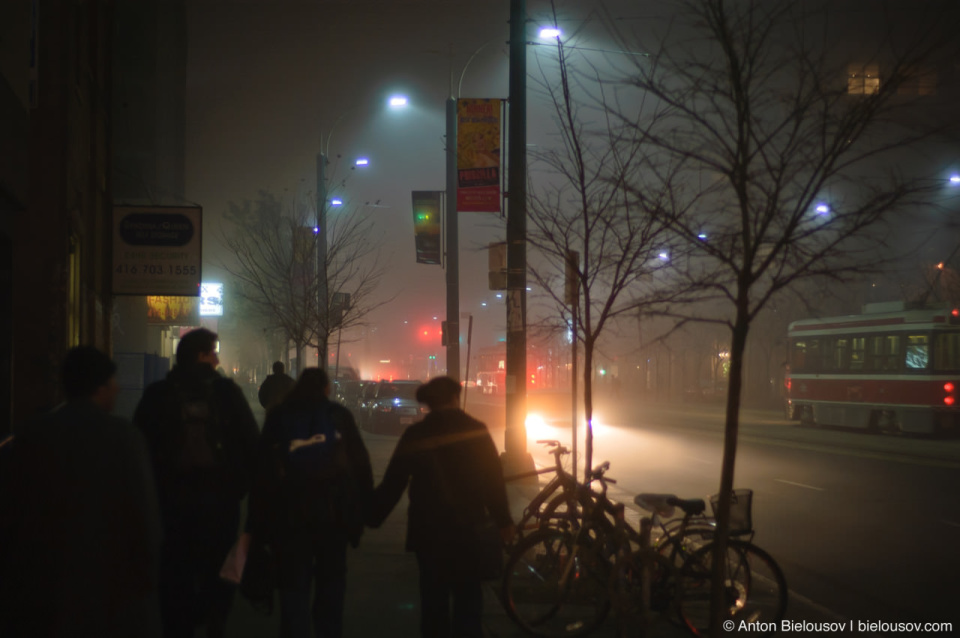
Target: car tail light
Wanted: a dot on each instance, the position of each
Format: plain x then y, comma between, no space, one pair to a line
948,388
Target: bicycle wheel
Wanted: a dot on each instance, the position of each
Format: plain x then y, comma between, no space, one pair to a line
755,590
677,548
563,512
554,585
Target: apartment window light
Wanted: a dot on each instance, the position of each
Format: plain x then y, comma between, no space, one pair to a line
863,79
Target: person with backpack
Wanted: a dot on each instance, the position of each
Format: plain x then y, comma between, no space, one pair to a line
313,482
79,525
202,438
275,386
459,516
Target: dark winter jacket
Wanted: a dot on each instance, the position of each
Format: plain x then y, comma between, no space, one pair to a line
454,472
158,415
274,388
353,470
79,528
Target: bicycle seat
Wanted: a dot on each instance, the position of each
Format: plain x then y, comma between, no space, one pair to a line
663,504
658,503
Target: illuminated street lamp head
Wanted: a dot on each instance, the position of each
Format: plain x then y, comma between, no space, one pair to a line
955,179
363,161
547,33
822,209
336,202
398,101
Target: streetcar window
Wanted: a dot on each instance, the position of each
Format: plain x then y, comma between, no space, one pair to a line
836,353
918,352
857,352
883,353
804,355
946,352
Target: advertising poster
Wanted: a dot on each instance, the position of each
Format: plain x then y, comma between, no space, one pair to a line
172,311
157,250
478,155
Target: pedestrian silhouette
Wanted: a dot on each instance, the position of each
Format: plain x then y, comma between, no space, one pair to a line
275,387
456,488
202,438
313,480
79,527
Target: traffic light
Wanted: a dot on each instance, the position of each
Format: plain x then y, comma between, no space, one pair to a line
426,226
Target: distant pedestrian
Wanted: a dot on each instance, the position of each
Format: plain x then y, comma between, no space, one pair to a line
456,487
202,438
79,527
275,387
313,482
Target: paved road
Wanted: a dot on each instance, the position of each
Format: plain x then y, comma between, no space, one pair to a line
865,527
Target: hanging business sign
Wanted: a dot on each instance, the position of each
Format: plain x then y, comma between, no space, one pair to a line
157,250
211,299
478,155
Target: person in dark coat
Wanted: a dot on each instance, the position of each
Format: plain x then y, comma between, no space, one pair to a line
275,387
201,480
309,539
455,479
79,526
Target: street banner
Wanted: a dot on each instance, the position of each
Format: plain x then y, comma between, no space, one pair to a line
426,226
157,250
478,155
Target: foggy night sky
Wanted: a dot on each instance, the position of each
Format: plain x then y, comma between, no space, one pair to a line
264,79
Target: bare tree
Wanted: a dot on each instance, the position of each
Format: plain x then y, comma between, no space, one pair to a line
585,226
276,262
775,157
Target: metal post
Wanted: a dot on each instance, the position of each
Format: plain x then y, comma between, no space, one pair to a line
452,239
322,300
466,375
517,458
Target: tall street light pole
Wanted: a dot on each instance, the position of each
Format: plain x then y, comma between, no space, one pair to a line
516,457
452,240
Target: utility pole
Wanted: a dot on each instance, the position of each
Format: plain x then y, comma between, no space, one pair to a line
452,239
516,458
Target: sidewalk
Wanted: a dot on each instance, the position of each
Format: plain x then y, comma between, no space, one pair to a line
382,580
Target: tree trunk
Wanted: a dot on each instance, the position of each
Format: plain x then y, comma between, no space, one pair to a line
741,327
588,408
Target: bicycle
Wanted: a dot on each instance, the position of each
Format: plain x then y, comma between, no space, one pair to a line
755,587
563,582
554,505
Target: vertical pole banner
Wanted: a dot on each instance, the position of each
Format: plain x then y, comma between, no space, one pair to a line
478,155
426,226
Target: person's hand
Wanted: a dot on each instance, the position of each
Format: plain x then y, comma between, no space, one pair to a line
508,533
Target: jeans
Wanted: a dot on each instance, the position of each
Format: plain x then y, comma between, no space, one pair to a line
322,564
436,595
197,538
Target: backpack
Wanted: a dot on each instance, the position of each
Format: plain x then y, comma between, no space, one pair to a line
312,461
199,444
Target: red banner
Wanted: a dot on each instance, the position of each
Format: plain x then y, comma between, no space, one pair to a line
478,155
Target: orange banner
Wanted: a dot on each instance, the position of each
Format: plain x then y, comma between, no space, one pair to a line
478,155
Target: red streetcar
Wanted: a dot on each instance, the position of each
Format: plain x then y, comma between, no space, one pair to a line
894,368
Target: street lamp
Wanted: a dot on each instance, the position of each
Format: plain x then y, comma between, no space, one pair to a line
323,302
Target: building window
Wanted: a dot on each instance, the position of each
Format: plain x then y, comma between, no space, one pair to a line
918,80
863,79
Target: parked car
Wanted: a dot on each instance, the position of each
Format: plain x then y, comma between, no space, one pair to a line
392,407
349,392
